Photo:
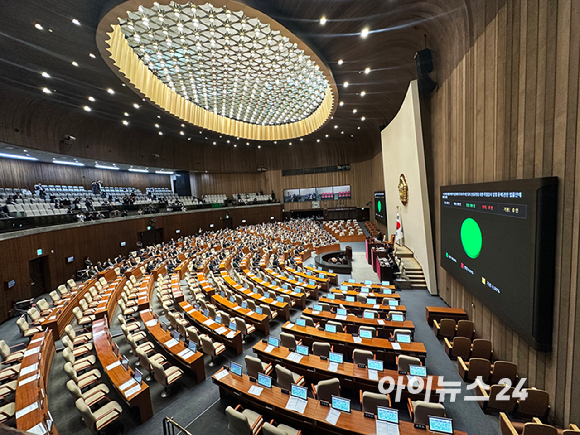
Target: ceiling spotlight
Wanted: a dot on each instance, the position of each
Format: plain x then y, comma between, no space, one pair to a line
75,21
160,133
215,143
183,125
247,143
110,91
336,126
46,91
136,106
125,122
126,113
323,21
362,118
367,70
74,63
363,93
290,143
157,125
358,128
93,56
341,103
340,61
45,74
364,33
87,108
317,140
182,133
301,138
235,145
260,146
39,26
354,110
345,84
91,99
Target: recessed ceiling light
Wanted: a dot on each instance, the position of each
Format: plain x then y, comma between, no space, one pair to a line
91,99
215,143
290,143
301,138
75,21
45,74
123,84
126,113
92,55
87,108
110,91
364,33
326,135
235,145
136,106
159,116
345,84
182,133
323,21
354,110
125,122
342,132
317,140
362,118
247,143
358,128
367,70
183,125
260,146
74,63
46,91
341,103
340,61
336,126
189,138
50,30
157,125
39,26
363,93
160,133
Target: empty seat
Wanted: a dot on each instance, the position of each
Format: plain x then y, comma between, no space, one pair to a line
255,366
324,390
243,421
420,411
286,378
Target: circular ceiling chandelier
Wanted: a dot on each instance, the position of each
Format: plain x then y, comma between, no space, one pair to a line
244,73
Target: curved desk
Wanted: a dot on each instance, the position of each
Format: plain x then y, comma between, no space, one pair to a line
359,307
260,321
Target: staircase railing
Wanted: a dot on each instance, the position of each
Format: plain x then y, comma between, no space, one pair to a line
170,425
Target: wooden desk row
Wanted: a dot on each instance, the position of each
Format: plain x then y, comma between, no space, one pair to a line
359,307
322,282
260,321
174,349
298,298
355,293
311,289
282,308
438,313
345,343
353,323
332,277
108,304
31,401
121,379
145,289
272,402
207,326
360,285
176,289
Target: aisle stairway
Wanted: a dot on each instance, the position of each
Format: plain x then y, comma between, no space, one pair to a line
413,270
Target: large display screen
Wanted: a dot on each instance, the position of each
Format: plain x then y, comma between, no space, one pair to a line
498,240
380,207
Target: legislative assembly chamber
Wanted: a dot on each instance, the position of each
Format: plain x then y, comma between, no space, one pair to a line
288,217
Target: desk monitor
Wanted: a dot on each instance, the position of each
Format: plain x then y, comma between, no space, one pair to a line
403,338
387,291
115,349
125,362
311,282
264,381
386,282
317,307
300,279
397,318
176,335
371,301
351,280
341,404
258,310
331,297
319,268
301,322
368,315
164,326
393,303
223,294
308,273
375,364
368,282
335,357
206,312
330,271
246,286
273,341
321,275
138,376
192,346
440,425
236,369
420,371
244,305
280,299
341,312
267,295
330,328
298,391
389,415
344,287
232,300
285,286
302,350
365,290
365,333
218,319
350,298
232,326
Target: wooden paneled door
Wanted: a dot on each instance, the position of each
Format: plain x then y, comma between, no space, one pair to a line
39,276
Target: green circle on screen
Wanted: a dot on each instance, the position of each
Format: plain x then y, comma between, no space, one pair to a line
379,205
471,238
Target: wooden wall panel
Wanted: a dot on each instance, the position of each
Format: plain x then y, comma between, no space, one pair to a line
508,110
101,240
16,173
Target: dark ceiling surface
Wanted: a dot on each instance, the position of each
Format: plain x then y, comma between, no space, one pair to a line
32,118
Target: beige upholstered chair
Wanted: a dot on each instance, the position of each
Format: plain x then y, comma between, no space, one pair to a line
368,328
63,290
244,328
309,321
281,429
370,401
83,380
100,418
360,356
404,361
321,349
324,390
373,313
420,411
78,350
77,338
243,421
54,296
7,412
193,335
43,305
9,372
145,361
255,365
78,364
25,328
9,353
35,316
131,324
81,318
288,340
92,396
165,377
286,378
210,348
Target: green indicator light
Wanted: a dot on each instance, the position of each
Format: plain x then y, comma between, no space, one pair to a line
380,206
471,238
